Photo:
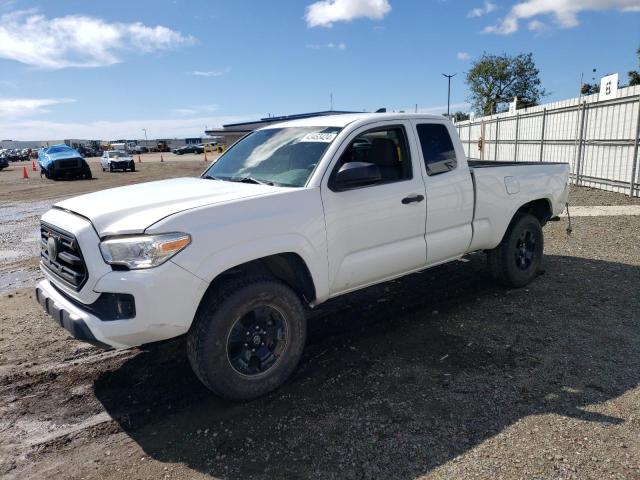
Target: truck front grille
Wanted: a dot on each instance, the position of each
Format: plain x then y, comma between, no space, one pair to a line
68,163
60,254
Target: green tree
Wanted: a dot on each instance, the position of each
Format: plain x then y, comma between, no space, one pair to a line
589,88
634,75
495,79
460,116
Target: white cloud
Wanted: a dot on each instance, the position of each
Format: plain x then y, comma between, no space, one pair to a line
108,130
11,108
211,73
195,109
330,45
463,56
564,12
78,41
487,8
536,26
325,13
199,73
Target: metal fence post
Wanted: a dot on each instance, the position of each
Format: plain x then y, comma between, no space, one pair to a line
495,151
483,140
580,142
635,153
544,121
515,148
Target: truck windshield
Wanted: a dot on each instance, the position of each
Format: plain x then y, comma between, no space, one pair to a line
279,156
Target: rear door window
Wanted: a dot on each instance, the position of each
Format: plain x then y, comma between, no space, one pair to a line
437,148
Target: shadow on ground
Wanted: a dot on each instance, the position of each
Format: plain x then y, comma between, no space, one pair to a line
401,377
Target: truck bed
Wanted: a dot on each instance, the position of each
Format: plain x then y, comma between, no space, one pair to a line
501,187
497,163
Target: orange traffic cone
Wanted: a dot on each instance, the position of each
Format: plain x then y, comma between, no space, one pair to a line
33,166
24,172
139,159
161,158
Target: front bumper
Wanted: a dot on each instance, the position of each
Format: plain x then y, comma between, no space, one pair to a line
121,163
166,300
65,315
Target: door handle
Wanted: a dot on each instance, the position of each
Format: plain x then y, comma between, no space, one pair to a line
412,198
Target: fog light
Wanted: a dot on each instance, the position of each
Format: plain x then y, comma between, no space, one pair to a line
115,306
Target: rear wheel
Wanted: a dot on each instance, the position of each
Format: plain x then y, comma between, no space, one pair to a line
247,337
515,262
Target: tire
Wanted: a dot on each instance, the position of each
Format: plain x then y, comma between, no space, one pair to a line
223,314
516,261
133,166
87,174
111,167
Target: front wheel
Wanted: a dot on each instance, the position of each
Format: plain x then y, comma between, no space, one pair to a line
247,337
515,262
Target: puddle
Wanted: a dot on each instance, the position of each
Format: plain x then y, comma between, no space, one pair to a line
19,240
21,279
13,212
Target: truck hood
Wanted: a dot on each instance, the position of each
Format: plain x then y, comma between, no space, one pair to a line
134,208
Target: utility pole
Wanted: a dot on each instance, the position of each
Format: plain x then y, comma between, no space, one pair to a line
449,91
146,142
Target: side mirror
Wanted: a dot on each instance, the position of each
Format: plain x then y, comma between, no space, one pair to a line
357,174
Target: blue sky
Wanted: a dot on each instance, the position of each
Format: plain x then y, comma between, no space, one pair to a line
78,69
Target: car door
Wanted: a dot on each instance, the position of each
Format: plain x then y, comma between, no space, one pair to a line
375,231
449,190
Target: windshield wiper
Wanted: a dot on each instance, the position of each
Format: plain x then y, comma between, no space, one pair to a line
250,180
212,177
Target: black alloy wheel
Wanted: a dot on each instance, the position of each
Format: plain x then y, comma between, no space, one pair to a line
256,340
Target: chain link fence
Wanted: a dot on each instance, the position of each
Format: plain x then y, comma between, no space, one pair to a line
599,139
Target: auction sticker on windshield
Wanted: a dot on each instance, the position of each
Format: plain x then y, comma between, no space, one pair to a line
319,137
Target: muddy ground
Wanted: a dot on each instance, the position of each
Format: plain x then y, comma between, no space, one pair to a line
441,374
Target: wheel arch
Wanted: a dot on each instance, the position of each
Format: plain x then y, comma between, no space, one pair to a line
289,267
539,208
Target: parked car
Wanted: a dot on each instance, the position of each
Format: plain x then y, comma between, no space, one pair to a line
293,214
62,161
89,151
192,148
117,160
138,149
4,163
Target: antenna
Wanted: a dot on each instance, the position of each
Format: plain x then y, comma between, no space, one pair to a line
331,101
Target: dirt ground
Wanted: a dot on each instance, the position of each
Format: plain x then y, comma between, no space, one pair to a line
439,375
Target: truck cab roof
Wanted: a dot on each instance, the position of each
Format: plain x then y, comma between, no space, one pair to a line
346,119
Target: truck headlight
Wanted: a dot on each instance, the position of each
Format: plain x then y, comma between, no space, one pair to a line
143,251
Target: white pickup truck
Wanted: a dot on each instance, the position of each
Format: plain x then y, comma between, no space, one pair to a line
291,215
